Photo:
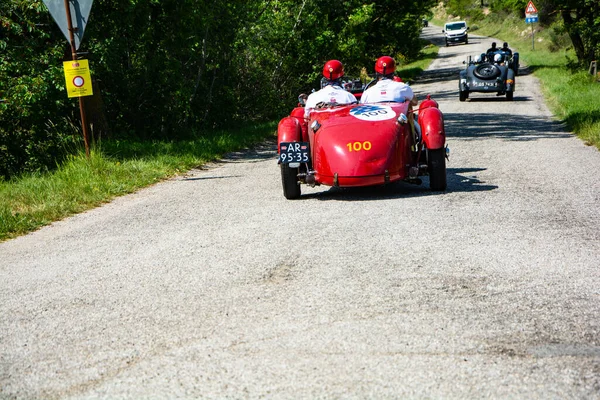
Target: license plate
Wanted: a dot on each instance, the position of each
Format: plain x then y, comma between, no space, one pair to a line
484,84
293,152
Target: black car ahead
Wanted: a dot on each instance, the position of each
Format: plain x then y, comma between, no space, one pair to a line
490,73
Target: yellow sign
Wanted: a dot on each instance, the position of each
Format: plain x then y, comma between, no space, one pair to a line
78,78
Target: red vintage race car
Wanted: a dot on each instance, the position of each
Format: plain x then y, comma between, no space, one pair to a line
362,145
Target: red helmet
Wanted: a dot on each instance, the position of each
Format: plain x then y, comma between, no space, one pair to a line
333,69
385,65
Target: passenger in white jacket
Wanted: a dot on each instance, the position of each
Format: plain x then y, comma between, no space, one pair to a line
333,93
386,88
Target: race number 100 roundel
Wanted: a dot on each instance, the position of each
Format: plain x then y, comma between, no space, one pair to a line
373,112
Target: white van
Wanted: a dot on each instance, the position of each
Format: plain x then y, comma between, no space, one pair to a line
456,32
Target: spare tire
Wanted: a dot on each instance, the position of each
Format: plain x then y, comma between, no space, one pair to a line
487,71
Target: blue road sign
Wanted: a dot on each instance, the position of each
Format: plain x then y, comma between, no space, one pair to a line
531,20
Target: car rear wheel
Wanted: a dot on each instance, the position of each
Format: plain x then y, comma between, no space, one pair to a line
291,184
436,163
509,96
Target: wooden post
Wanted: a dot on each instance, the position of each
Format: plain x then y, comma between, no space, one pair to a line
86,138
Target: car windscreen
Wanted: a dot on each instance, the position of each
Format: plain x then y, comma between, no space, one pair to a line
455,27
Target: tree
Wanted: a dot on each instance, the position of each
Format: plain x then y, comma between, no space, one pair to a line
171,69
581,20
582,23
36,118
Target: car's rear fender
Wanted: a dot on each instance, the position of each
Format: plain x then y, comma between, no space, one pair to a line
360,149
289,130
298,113
431,121
510,81
462,82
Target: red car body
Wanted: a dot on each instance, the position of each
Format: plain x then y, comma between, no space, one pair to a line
363,145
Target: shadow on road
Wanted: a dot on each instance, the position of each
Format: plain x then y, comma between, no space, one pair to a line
459,180
205,178
502,126
439,75
260,152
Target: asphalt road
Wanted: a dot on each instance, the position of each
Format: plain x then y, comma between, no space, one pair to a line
212,285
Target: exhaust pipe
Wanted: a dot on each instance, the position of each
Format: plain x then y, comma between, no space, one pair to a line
308,178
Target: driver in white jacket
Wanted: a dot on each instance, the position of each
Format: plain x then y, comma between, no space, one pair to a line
332,93
386,88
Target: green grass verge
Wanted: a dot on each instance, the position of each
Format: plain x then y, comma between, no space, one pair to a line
412,70
113,169
572,95
120,167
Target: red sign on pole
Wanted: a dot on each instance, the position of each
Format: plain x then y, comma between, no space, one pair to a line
530,9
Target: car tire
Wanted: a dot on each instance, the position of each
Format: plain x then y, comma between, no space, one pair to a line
467,41
446,43
487,71
291,184
463,95
436,164
509,96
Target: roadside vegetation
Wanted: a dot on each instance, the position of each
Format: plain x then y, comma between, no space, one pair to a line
121,166
178,69
570,90
412,70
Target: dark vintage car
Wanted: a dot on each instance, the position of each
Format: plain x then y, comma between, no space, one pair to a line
489,73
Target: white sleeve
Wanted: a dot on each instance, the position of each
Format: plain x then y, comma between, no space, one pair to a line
365,97
311,102
408,93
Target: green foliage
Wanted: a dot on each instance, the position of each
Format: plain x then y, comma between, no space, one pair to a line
580,20
35,116
573,98
510,6
464,9
176,69
558,37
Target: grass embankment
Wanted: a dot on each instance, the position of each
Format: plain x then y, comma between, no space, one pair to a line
572,95
408,72
119,167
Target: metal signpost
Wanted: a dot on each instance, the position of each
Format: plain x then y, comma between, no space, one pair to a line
531,16
72,16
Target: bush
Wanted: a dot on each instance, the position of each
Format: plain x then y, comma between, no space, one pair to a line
558,37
